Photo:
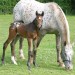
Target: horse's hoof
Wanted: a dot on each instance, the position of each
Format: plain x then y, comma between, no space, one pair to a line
35,64
62,65
15,63
29,68
28,64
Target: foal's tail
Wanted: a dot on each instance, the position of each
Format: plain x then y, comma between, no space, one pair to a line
14,26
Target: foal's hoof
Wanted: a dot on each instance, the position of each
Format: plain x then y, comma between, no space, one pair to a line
28,64
15,63
21,54
13,60
2,62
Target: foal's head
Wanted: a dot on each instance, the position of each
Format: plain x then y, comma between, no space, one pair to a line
39,19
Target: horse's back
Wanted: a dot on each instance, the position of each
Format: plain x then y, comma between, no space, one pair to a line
53,13
25,10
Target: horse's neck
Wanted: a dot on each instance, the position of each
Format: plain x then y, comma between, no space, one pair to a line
64,24
66,31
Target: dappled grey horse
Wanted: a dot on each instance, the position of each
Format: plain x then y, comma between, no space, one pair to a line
54,22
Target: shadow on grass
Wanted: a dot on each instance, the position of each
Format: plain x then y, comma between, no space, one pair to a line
8,61
51,66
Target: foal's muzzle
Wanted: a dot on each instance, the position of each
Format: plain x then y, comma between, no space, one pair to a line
39,27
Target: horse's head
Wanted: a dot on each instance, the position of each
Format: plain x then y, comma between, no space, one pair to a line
39,19
67,54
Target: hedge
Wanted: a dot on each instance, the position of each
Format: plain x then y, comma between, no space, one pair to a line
6,6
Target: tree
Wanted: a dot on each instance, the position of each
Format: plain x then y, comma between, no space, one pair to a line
73,6
6,6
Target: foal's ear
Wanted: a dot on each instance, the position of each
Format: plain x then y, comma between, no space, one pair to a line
36,13
42,13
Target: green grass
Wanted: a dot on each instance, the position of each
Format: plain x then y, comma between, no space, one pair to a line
46,55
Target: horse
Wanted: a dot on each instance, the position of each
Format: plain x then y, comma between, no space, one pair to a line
31,32
54,22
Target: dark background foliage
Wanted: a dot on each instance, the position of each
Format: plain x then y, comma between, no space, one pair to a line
68,6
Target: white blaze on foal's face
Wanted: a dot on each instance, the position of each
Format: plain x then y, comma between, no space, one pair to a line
40,19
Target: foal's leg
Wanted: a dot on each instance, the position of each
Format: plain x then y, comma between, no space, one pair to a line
10,38
4,48
30,53
13,58
12,34
20,48
34,51
58,47
39,39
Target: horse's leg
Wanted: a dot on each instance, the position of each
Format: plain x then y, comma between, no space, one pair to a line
34,51
30,53
20,48
58,47
13,58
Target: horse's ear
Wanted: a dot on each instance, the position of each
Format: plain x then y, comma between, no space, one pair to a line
36,13
42,13
65,43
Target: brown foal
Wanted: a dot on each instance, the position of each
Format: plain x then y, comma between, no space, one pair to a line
30,31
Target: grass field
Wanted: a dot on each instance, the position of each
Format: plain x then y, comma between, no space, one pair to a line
46,55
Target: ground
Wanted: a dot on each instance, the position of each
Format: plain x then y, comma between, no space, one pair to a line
46,54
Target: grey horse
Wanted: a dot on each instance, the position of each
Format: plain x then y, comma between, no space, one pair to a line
54,22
